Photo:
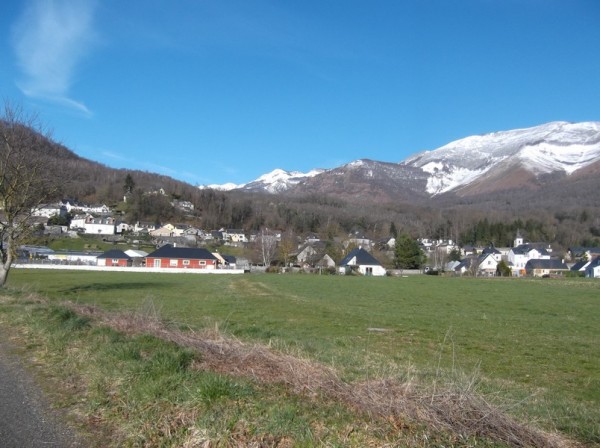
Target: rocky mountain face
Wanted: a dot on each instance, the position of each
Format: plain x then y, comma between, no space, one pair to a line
529,158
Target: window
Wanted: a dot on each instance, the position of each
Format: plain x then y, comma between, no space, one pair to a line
202,262
186,262
173,263
157,262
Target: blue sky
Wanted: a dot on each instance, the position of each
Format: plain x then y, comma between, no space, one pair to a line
215,91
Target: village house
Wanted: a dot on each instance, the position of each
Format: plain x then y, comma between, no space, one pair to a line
181,257
192,231
114,257
546,267
388,243
185,206
308,253
75,207
580,266
166,230
522,252
144,227
91,225
312,238
593,269
225,261
465,266
324,261
122,227
234,236
487,263
361,261
49,210
579,253
358,239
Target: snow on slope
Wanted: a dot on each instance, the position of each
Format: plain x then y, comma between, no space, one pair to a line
557,146
276,181
221,187
279,180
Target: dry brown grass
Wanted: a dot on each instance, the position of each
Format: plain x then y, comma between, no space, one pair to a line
458,410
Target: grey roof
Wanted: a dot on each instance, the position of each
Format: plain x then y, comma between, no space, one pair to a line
362,258
552,263
595,262
37,250
490,250
578,251
168,251
580,265
115,254
526,248
229,259
484,255
465,263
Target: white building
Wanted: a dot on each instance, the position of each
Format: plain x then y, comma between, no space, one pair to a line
362,262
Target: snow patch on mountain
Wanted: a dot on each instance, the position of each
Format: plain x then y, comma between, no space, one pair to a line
556,146
276,181
279,180
547,158
452,177
221,187
356,163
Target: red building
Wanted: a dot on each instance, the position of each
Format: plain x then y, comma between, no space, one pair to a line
114,257
181,257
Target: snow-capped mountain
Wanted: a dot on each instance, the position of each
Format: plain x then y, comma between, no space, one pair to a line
553,147
472,165
276,181
279,180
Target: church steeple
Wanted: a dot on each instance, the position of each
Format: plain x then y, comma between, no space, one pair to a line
518,239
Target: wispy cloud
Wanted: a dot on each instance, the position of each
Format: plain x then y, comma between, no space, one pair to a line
50,39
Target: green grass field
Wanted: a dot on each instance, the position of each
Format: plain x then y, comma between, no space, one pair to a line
532,342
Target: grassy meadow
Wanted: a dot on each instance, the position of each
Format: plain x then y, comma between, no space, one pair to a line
531,346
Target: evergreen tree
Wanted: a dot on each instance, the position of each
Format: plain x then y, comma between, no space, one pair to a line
408,254
454,255
393,230
129,184
503,269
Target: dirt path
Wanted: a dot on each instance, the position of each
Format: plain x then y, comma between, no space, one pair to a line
26,418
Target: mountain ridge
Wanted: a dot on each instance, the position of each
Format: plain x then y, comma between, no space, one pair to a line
480,163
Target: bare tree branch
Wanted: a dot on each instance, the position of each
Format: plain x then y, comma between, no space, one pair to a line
26,179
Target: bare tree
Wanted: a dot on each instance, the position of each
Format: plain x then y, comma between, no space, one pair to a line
287,246
25,180
439,257
266,244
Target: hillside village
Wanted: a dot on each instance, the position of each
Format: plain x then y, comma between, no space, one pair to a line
183,246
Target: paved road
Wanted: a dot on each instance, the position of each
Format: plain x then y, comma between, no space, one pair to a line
26,418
